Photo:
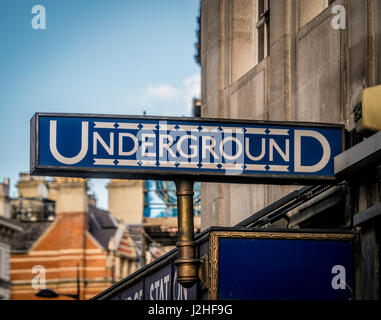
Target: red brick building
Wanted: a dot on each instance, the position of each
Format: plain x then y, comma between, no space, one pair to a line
84,246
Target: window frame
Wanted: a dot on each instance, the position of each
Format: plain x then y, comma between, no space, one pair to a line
262,26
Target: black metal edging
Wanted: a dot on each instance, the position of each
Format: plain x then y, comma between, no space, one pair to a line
136,276
270,208
310,194
148,269
191,119
279,208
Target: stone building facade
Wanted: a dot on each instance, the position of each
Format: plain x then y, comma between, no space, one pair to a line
292,60
312,72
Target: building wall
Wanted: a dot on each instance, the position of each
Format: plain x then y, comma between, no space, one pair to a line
313,73
4,269
61,264
5,205
309,9
6,235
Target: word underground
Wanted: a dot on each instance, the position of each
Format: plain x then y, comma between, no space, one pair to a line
196,147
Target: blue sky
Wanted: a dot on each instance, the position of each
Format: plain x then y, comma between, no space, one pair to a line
95,56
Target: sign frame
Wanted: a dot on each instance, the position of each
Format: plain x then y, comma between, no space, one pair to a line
144,174
216,234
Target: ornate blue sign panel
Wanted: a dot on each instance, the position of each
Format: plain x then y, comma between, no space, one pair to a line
169,148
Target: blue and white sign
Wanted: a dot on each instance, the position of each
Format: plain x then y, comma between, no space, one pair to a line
164,148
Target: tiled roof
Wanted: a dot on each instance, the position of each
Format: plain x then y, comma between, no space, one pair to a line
102,225
130,243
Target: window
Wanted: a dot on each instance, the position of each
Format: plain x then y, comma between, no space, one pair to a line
309,9
249,36
263,29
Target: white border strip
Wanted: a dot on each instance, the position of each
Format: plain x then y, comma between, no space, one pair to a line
255,131
279,168
107,162
124,162
255,167
279,132
126,125
104,125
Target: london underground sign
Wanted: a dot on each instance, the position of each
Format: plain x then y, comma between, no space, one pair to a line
87,145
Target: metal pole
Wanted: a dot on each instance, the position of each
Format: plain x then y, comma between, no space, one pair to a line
186,263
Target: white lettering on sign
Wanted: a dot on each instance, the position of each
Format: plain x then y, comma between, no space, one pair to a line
227,156
133,138
285,155
166,146
261,155
179,292
159,290
53,144
208,146
233,150
298,167
193,148
147,144
109,148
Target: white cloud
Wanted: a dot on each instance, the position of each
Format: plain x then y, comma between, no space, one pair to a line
162,91
192,89
193,84
180,98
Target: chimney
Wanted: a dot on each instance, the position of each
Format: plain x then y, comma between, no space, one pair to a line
71,196
126,200
32,186
72,212
5,204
